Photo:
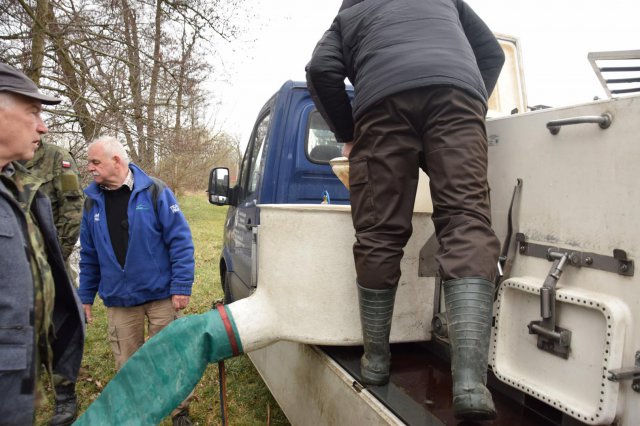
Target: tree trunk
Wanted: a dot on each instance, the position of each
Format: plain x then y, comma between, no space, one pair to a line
38,33
153,88
74,90
133,63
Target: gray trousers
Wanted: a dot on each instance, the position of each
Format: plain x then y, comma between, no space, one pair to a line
442,131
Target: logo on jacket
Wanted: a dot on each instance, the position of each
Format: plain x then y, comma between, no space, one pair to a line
141,207
96,217
174,208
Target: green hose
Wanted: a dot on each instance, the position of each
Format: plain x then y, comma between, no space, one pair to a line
163,371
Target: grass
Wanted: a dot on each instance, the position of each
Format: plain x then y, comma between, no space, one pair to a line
249,402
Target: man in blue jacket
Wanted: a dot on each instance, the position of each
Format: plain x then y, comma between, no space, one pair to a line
422,73
137,252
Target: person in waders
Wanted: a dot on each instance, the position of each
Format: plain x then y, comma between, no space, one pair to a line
422,73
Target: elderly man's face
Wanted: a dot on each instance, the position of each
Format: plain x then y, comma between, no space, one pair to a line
105,169
21,127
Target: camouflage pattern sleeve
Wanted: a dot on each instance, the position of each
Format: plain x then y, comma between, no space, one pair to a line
61,184
69,197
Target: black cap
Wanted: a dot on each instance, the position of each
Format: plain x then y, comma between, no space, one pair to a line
14,81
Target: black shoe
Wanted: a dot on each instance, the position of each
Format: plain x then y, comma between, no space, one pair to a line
182,419
66,405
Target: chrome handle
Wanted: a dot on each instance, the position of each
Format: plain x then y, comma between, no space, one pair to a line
604,121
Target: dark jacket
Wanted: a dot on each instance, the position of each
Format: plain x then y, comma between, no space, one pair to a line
385,47
17,352
159,260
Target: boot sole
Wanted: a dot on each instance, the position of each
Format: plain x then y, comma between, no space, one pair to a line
376,379
474,407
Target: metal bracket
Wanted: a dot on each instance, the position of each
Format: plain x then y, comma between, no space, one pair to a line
618,263
628,373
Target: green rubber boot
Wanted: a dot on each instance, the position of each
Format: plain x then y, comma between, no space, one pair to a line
376,310
469,304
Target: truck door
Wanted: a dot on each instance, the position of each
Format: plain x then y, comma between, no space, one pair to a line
246,216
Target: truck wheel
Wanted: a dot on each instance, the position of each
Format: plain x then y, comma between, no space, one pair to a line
228,297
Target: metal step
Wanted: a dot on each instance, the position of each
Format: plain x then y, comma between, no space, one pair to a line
419,389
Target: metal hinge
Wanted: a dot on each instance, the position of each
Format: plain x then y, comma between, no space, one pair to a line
628,373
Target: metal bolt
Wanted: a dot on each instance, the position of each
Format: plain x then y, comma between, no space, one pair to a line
588,261
575,259
624,267
523,248
636,386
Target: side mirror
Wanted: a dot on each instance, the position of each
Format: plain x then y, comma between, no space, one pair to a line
219,186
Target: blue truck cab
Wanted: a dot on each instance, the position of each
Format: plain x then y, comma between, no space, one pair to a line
286,161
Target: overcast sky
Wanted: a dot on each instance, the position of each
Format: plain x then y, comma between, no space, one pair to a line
555,37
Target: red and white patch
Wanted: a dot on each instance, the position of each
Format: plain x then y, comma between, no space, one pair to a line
66,164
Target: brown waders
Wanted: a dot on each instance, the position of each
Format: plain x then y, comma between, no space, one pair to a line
442,131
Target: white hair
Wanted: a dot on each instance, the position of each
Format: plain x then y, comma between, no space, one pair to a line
6,100
112,146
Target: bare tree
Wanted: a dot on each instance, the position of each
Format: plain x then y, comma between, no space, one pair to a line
125,67
193,154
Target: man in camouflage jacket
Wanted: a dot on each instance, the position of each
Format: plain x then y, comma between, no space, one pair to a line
41,320
58,169
61,185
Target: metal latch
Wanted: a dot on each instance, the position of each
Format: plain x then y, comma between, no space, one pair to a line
551,338
628,373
